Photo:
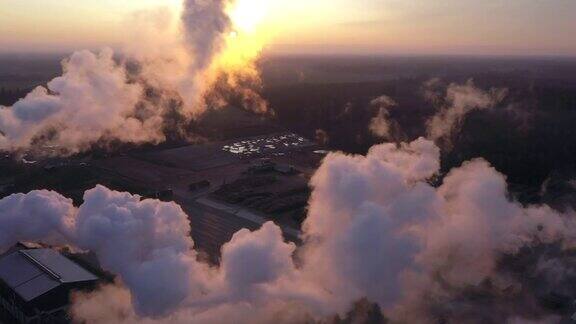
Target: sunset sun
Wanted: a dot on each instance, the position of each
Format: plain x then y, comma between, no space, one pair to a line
247,15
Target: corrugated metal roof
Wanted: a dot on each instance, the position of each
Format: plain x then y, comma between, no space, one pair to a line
67,270
36,287
32,273
16,270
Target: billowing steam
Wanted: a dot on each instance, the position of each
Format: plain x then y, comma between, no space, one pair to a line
136,240
458,101
380,125
376,229
100,98
205,23
91,101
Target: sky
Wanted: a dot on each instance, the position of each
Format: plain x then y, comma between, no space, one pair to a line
486,27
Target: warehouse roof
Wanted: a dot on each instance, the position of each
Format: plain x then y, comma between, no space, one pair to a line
32,273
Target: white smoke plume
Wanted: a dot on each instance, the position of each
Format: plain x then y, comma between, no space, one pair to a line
136,240
459,101
380,125
376,229
91,101
100,98
148,245
207,30
205,23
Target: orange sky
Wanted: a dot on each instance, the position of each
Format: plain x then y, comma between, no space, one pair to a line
514,27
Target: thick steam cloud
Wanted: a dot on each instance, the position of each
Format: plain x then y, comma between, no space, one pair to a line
90,102
101,98
376,229
206,23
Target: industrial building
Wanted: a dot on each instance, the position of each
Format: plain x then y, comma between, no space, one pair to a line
35,285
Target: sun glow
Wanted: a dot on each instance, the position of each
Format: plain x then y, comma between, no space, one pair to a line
247,15
248,36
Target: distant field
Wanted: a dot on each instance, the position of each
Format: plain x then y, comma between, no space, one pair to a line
286,70
28,70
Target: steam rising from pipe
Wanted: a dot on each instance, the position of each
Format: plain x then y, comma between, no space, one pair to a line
380,125
459,101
